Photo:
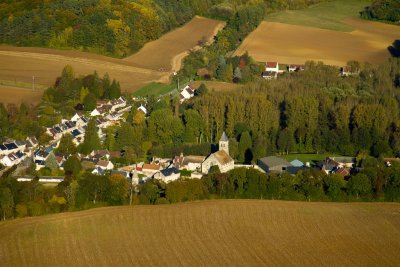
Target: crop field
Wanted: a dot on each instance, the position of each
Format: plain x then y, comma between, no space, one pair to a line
154,63
166,53
325,32
212,233
17,95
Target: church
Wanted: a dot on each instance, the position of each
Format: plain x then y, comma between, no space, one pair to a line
220,158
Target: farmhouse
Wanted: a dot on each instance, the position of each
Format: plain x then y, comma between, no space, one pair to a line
168,175
272,66
220,158
150,169
273,164
292,68
191,163
186,93
269,75
105,165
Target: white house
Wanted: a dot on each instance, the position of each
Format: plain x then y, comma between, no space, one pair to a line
293,67
272,66
118,103
191,163
186,93
168,175
150,169
142,109
105,165
95,112
220,158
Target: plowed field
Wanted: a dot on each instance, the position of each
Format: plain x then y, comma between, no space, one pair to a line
209,233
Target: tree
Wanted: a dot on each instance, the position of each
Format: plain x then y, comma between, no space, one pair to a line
90,102
115,90
221,67
93,187
245,148
92,140
72,166
228,73
285,140
125,135
67,145
237,76
6,202
202,90
334,184
149,192
51,162
118,190
193,126
359,185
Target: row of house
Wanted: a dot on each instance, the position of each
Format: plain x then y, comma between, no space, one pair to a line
14,152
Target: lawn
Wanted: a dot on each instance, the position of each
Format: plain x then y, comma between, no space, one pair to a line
157,89
326,15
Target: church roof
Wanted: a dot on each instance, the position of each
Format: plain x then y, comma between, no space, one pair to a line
224,137
222,157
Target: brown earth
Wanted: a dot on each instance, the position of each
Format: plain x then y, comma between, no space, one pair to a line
211,233
159,55
154,63
16,95
292,44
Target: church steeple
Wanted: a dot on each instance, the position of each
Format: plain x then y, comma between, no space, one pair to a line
224,143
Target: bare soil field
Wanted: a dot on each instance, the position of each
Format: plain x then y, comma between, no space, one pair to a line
154,63
209,233
293,44
166,53
16,95
217,86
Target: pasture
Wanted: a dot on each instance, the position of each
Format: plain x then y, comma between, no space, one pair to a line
328,32
212,233
154,63
326,15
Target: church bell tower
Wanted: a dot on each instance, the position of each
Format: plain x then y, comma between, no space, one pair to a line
224,143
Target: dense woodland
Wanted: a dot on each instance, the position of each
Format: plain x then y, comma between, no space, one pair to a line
115,27
385,10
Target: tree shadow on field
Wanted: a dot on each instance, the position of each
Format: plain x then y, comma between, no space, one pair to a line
394,49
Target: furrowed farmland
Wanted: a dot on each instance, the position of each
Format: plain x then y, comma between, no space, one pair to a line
154,63
214,233
328,32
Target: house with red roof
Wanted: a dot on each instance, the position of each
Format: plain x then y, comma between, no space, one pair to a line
272,66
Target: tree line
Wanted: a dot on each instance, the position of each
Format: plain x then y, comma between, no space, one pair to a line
384,10
115,27
375,182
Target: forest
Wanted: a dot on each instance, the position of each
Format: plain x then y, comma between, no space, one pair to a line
114,27
384,10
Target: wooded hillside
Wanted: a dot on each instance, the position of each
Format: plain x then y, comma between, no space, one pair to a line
110,27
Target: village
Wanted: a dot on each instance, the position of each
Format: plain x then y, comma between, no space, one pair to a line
111,113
